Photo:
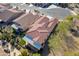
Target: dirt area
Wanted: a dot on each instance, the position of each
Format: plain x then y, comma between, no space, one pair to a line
2,53
13,52
69,44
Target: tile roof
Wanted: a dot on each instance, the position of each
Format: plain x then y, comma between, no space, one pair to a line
3,5
41,29
9,14
26,20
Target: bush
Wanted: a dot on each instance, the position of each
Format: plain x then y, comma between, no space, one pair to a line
77,16
18,47
69,18
35,54
22,42
24,52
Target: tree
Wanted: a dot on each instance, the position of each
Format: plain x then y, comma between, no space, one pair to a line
7,33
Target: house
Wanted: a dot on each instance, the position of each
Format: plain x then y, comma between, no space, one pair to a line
7,15
25,21
39,32
5,5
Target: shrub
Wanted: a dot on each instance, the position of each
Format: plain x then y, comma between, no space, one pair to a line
69,18
24,52
36,54
22,42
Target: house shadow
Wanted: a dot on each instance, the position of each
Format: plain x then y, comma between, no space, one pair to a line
45,50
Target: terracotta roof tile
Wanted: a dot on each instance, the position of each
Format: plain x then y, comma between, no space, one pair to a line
43,27
26,20
9,14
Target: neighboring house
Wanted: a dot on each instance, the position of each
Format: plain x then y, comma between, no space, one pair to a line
39,32
25,21
5,5
7,15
